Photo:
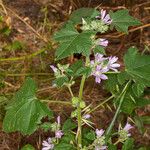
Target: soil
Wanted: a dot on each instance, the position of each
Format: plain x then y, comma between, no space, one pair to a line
30,11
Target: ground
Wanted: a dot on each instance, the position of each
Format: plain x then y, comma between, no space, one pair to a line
33,22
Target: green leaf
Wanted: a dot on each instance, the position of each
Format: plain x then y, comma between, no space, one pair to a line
25,111
123,77
71,41
68,137
112,84
46,126
99,49
90,135
145,119
74,69
28,147
61,81
139,124
78,14
138,66
128,145
122,20
141,102
68,125
64,146
138,89
112,147
128,105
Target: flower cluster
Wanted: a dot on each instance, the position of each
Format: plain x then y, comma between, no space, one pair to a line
101,65
124,132
99,142
100,25
50,143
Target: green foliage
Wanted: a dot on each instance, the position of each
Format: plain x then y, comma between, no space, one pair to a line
28,147
90,135
46,126
99,49
71,41
138,66
112,147
138,89
128,145
5,31
25,111
64,146
77,69
145,119
122,20
128,104
112,84
139,123
65,142
15,45
78,14
68,125
61,81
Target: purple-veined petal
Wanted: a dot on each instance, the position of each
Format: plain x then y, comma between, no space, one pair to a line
103,77
58,134
127,127
58,120
115,65
97,80
53,68
103,13
113,59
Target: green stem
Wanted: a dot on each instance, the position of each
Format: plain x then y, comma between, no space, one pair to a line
69,88
108,131
79,117
57,102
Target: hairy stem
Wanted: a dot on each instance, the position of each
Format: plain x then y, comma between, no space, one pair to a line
121,96
79,117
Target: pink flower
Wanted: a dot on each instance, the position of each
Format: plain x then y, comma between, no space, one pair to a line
54,68
99,58
105,17
48,145
98,73
58,120
111,63
127,128
102,42
87,116
99,133
58,134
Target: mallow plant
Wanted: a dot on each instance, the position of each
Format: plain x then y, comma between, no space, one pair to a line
83,34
